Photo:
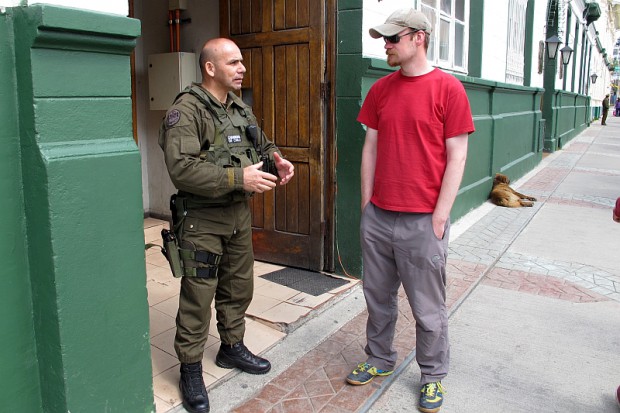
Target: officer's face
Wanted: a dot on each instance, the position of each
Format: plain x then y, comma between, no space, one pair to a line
228,68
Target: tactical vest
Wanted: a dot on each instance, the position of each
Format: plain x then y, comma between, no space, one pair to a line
231,147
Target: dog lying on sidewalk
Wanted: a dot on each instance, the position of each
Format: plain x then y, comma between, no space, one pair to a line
503,195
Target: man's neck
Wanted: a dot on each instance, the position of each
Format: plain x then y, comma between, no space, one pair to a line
221,95
416,67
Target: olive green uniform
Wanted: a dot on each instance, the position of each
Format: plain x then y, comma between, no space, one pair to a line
206,147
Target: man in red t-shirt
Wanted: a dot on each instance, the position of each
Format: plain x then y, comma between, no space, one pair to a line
418,120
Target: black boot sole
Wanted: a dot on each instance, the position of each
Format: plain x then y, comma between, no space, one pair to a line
230,365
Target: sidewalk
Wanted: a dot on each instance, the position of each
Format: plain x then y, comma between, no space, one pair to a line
534,304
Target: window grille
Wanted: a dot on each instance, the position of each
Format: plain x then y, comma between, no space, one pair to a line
515,50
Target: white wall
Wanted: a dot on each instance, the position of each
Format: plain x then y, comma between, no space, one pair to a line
153,15
494,40
375,13
539,34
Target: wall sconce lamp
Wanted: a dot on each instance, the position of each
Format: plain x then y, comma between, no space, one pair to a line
552,43
566,52
593,77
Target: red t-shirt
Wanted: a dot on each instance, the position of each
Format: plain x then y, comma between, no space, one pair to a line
414,116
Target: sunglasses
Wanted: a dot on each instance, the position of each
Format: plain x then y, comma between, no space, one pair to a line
396,38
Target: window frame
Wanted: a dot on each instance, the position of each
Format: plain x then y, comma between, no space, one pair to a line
433,11
515,42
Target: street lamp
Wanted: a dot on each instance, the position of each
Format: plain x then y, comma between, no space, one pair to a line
553,43
593,77
566,52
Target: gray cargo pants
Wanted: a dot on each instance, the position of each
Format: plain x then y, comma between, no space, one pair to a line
402,248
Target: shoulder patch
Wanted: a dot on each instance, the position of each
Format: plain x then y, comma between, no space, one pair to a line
173,118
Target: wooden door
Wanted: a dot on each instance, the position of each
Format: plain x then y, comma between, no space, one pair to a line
282,42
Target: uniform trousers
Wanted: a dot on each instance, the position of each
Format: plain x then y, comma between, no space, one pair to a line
402,248
223,230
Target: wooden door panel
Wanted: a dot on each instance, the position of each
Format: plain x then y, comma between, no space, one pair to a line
285,67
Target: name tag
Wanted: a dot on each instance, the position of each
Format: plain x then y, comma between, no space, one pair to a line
234,139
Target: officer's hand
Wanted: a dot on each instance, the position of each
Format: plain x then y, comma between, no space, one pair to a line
255,180
286,170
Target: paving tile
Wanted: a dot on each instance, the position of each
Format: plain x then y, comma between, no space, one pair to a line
259,337
284,313
166,386
316,388
319,402
260,304
161,406
257,406
271,394
159,322
309,301
296,405
165,341
276,291
169,306
161,361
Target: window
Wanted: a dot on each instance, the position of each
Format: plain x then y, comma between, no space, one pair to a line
515,51
448,43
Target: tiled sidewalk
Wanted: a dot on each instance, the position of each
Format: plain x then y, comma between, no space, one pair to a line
275,310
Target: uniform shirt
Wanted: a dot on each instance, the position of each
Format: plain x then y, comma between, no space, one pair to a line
189,127
413,116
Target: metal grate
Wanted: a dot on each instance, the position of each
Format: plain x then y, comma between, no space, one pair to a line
309,282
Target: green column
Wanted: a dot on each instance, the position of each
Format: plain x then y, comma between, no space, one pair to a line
19,384
83,209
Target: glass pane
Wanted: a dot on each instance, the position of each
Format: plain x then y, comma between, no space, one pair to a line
459,46
431,16
446,6
444,40
432,3
459,9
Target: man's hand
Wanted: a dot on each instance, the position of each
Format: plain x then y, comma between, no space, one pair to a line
255,180
286,170
439,225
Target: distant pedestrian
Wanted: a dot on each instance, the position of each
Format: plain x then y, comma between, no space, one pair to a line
605,109
617,111
418,121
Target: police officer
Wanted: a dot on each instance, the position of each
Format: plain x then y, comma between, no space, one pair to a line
217,157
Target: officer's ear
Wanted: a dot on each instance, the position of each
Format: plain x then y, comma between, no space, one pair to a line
209,68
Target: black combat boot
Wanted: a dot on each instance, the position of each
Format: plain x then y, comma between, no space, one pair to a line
239,356
193,391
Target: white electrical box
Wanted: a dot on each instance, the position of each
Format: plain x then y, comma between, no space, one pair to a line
169,74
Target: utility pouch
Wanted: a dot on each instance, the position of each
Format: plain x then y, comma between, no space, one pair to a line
171,252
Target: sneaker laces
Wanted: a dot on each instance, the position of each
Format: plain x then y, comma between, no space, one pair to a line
430,389
361,368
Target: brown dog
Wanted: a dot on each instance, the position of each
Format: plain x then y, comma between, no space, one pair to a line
503,195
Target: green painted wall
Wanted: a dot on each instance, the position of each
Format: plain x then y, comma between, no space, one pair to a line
82,343
571,116
19,384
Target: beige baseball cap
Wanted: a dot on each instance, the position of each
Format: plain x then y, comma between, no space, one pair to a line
400,20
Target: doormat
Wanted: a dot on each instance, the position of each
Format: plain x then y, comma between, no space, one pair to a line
309,282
